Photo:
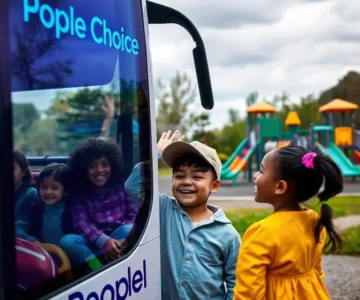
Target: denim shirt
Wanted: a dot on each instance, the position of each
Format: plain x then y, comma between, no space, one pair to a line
196,263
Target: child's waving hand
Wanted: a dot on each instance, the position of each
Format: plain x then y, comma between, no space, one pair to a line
167,138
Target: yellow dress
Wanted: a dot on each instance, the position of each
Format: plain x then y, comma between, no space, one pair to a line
279,259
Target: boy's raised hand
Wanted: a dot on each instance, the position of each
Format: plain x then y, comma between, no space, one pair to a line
167,138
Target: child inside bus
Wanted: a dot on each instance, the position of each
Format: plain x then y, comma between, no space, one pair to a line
199,245
25,194
50,218
103,214
280,256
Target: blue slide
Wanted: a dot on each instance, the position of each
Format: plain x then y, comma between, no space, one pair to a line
348,169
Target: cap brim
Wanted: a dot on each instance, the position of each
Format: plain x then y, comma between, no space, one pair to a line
177,149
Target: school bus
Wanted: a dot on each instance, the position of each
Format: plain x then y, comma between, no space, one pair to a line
58,59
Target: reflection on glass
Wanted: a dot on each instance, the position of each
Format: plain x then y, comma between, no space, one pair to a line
81,122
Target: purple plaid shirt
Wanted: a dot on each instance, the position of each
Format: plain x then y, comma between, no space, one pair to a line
96,216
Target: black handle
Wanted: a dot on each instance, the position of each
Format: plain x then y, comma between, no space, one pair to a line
160,14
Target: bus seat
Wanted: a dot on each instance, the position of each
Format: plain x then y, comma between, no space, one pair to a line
35,178
59,253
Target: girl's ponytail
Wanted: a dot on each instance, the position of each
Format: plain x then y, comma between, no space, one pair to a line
333,185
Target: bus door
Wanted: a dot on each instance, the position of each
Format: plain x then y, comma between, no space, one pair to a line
65,59
60,63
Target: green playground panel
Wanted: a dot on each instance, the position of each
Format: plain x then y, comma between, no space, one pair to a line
271,128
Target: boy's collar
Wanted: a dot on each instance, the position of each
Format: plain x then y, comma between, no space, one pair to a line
219,214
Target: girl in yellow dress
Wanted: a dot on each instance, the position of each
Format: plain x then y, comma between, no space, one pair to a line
280,256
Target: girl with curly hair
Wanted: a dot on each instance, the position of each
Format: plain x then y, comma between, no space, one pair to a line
103,214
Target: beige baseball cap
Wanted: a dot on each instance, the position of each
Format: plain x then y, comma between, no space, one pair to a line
179,148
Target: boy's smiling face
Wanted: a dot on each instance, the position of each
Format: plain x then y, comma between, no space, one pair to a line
193,184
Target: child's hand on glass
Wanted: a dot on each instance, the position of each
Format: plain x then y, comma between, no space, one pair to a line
111,249
166,139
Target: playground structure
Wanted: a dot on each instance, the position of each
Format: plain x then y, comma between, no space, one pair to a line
264,133
335,141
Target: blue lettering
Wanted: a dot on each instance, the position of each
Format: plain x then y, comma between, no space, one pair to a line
120,290
72,29
109,288
107,31
117,44
93,22
122,296
77,296
92,296
127,39
80,28
135,46
65,22
144,272
129,280
137,279
122,39
48,24
59,28
30,9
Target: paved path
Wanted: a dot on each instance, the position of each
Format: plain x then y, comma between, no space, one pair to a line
343,223
342,277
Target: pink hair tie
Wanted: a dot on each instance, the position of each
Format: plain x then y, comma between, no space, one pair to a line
308,160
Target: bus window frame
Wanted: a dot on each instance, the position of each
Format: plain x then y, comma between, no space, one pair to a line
8,280
7,213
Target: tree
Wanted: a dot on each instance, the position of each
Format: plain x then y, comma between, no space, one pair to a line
281,101
234,115
24,115
231,135
348,88
42,138
251,98
173,111
308,111
34,63
199,123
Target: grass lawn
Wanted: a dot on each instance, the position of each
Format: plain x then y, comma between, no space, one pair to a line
342,206
165,172
351,239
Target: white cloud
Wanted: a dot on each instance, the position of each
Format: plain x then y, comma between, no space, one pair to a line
302,47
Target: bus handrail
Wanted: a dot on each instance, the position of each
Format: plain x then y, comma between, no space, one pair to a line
161,14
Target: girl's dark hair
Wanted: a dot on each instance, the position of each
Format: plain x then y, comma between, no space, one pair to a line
307,183
191,159
21,161
60,172
82,156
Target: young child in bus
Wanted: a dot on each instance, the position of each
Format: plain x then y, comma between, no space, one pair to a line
25,194
103,214
50,218
199,245
280,256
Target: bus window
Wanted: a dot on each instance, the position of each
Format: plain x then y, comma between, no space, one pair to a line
79,88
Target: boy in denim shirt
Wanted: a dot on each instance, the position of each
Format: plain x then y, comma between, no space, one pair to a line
199,245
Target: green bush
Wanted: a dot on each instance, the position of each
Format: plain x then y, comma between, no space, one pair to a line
223,157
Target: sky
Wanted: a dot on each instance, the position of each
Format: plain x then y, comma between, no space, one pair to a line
299,46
